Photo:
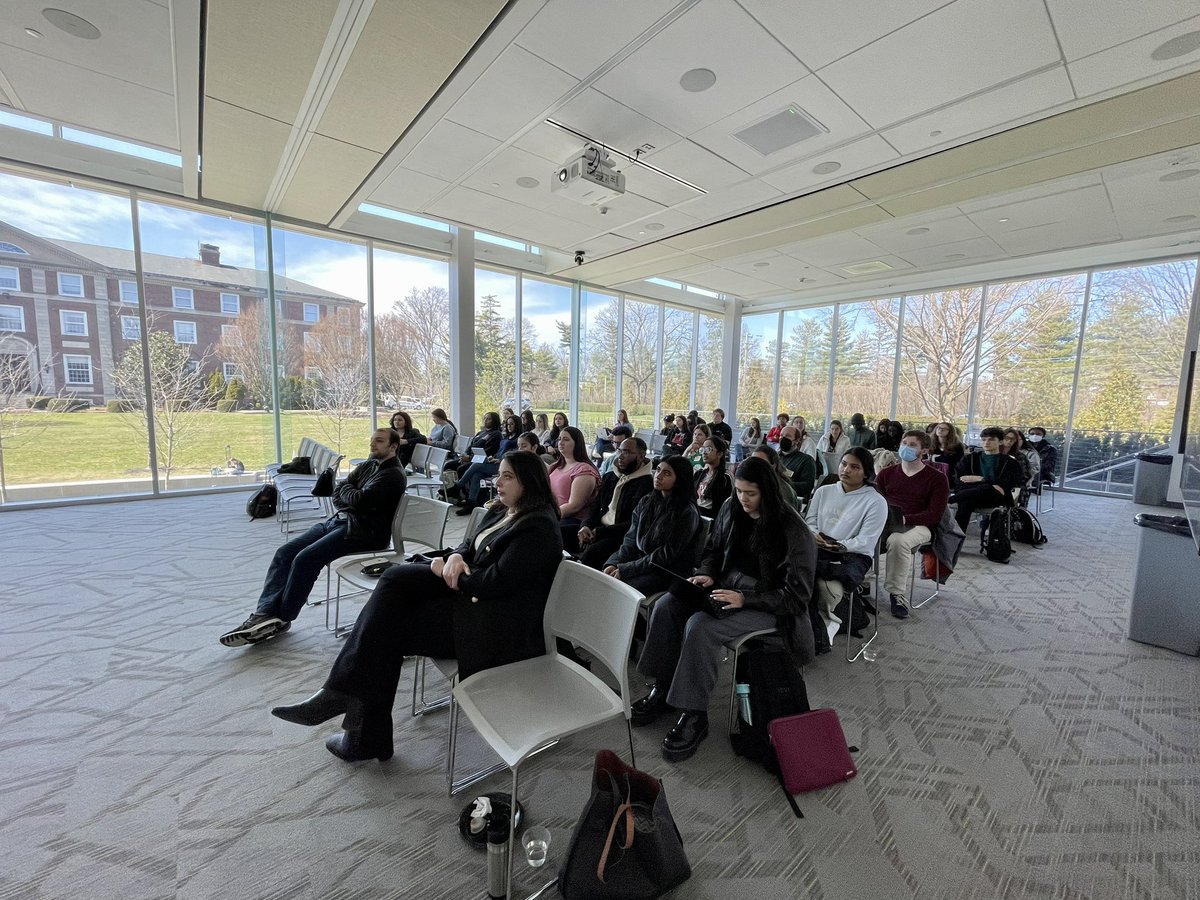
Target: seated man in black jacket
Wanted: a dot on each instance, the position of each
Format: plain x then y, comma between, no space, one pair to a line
609,517
986,479
366,504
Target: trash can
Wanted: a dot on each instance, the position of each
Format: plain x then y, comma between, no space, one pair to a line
1165,607
1151,476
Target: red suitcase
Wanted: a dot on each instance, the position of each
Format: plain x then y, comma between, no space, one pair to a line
811,750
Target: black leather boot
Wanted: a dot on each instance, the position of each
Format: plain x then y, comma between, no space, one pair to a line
364,737
322,706
683,740
649,708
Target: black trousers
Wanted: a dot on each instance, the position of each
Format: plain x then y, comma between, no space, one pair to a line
410,613
596,554
974,497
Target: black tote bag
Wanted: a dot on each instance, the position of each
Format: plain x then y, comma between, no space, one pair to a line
626,845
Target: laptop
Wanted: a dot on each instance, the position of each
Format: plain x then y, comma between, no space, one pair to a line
478,454
699,598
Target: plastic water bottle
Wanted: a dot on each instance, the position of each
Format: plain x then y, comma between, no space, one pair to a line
497,856
743,699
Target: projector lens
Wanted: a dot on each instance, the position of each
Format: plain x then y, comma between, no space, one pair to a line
562,174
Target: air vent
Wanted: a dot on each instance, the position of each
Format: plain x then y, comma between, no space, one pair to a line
783,129
866,268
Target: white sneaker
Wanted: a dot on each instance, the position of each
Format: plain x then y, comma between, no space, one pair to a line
257,628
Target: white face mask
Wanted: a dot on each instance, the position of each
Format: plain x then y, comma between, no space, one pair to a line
1035,438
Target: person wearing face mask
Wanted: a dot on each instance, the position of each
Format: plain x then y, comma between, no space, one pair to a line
919,493
1047,453
802,466
610,516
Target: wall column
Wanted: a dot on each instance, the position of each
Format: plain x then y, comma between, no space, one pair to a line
462,329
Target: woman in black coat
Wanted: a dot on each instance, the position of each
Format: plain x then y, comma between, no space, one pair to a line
482,605
662,530
410,436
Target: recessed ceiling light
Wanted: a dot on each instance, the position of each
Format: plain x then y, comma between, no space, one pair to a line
826,168
761,265
74,25
956,256
495,184
1174,219
1005,219
1179,175
655,226
33,32
641,232
696,80
937,133
1181,45
527,181
917,231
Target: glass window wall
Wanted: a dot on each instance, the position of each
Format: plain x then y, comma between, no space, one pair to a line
866,360
937,356
808,336
756,369
546,345
599,335
640,355
677,349
496,343
709,356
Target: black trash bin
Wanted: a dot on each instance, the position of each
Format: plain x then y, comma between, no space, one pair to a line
1151,476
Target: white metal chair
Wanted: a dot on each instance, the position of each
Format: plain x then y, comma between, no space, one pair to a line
420,455
430,477
307,445
418,520
520,707
295,500
462,443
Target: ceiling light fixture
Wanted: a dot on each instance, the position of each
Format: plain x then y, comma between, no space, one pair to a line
917,231
1179,175
937,133
33,32
633,158
826,168
761,265
956,256
74,25
655,226
527,181
1180,45
1174,219
1005,219
696,80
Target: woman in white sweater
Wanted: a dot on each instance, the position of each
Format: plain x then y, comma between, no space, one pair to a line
832,444
847,518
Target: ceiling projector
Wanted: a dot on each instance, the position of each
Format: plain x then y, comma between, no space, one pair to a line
588,178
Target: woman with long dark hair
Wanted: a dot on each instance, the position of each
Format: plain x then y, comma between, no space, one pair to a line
573,478
883,436
482,605
444,431
713,484
750,440
410,435
486,439
948,449
560,422
661,532
759,562
527,421
469,484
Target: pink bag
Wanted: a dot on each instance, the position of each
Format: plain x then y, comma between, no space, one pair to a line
811,750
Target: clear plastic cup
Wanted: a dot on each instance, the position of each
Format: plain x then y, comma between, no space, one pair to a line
536,841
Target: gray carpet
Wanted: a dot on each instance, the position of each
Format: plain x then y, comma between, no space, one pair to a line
1014,742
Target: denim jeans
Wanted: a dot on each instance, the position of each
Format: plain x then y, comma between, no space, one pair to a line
468,482
297,564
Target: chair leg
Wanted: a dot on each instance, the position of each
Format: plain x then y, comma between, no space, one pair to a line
629,732
852,598
737,651
912,582
512,834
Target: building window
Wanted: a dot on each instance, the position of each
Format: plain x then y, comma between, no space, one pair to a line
12,318
181,298
231,304
6,247
10,278
312,373
78,369
310,341
278,308
129,292
229,370
70,285
185,332
191,367
131,328
312,312
73,322
228,331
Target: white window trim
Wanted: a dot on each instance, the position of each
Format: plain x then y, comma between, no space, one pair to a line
121,292
191,301
308,339
237,303
67,359
316,310
62,323
16,278
19,313
137,328
229,370
227,330
175,329
65,293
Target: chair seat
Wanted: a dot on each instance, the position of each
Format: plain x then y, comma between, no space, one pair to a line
543,698
351,570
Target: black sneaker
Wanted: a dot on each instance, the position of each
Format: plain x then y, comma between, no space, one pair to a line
258,627
899,606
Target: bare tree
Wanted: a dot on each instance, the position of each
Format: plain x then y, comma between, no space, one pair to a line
412,345
337,348
247,344
20,378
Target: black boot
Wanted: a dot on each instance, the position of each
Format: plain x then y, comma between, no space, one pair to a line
649,708
683,740
364,737
320,707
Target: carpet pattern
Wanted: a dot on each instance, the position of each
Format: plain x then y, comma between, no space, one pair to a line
1013,742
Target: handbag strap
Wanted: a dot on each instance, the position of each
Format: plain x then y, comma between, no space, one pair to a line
625,808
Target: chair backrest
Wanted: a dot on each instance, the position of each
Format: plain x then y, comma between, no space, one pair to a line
436,461
702,531
646,434
473,521
462,443
307,445
423,522
595,612
657,442
420,456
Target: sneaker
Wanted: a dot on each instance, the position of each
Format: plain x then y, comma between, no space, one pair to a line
899,606
258,627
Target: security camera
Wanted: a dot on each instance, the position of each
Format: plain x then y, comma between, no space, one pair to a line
579,257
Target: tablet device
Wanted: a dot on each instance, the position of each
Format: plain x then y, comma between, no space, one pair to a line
478,454
699,598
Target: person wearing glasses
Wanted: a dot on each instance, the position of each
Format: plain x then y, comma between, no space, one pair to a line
986,479
609,517
713,484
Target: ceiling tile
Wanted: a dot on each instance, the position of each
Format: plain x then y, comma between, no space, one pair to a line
954,253
995,42
241,153
833,250
604,119
501,216
1142,202
566,32
408,189
671,220
1086,28
327,174
695,164
449,150
811,96
1131,62
727,201
941,228
1060,236
552,144
515,90
1034,205
1065,219
648,80
855,158
982,112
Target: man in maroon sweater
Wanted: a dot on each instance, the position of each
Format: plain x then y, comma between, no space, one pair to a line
920,492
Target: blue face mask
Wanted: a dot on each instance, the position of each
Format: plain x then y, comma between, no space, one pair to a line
907,453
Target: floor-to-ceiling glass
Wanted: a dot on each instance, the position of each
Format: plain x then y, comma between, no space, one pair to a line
677,350
546,344
708,363
496,343
599,335
640,361
937,355
756,369
808,338
1129,374
412,333
866,360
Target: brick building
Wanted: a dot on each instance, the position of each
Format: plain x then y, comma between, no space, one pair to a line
69,310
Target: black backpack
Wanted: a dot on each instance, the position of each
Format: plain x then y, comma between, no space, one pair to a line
776,689
262,502
1026,528
997,537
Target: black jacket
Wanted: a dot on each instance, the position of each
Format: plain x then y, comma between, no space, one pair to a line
414,437
721,430
719,488
1008,473
1049,455
488,439
368,498
676,550
499,607
635,489
795,575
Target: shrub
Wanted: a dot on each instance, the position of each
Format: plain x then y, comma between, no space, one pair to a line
235,389
68,404
225,406
292,392
39,402
215,387
120,406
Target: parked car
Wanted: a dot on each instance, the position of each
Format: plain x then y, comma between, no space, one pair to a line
511,402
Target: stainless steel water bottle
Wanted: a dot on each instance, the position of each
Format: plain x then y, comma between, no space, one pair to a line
497,856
